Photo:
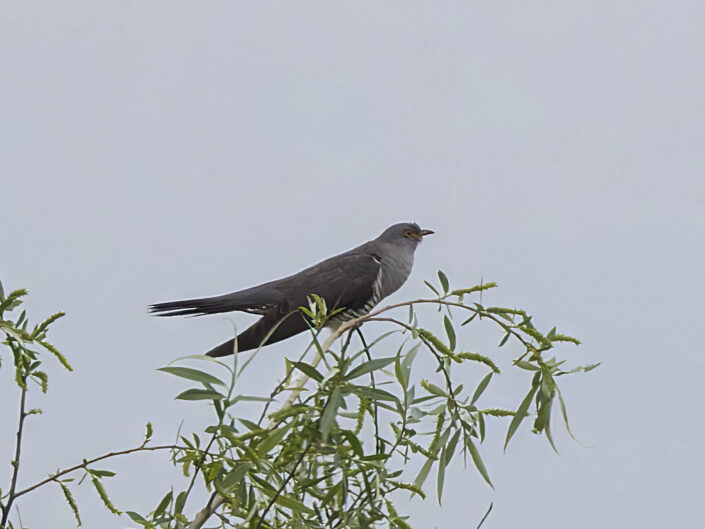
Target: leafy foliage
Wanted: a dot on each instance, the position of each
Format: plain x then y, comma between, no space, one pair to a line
335,454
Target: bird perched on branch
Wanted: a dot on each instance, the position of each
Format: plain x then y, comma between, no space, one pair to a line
354,281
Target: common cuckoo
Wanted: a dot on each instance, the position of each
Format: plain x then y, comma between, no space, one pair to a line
354,281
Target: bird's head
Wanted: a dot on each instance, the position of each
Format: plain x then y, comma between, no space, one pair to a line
404,233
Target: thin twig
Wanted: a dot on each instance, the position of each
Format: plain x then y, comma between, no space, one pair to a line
378,442
16,462
87,462
281,489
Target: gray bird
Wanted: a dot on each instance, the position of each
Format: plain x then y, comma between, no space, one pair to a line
354,281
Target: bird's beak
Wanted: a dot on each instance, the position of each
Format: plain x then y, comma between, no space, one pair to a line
423,233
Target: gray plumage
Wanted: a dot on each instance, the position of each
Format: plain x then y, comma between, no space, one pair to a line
354,281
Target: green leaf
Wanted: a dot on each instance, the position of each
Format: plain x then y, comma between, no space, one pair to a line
526,365
371,365
308,370
440,478
166,500
354,442
450,331
478,460
328,417
450,447
520,414
403,366
481,388
235,476
423,473
192,374
429,285
294,505
102,473
180,502
565,415
444,281
199,394
137,518
273,439
373,393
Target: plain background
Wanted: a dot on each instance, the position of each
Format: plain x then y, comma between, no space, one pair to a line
167,149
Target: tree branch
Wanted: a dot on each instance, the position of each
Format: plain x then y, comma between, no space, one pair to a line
16,462
87,462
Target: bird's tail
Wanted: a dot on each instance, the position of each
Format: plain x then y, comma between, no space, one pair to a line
186,307
255,300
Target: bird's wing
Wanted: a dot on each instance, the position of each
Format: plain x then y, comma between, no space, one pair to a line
345,281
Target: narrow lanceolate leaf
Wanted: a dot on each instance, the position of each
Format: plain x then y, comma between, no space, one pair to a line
308,370
328,417
520,414
440,478
166,500
450,331
367,367
354,443
102,473
423,473
429,285
200,394
137,518
406,363
478,460
481,387
273,439
450,447
72,502
565,415
444,281
526,365
293,505
192,374
235,476
375,394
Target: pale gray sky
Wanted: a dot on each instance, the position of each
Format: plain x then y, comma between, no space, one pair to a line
158,150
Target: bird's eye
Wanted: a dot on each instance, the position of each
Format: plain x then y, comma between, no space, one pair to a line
408,234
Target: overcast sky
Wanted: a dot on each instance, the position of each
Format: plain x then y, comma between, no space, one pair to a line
159,150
